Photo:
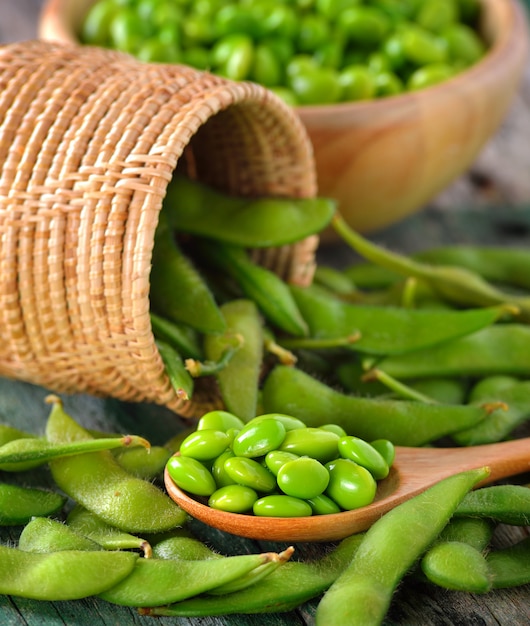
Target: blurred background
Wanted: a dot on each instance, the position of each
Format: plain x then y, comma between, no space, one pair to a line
498,179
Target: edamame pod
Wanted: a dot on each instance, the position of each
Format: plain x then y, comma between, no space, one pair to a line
238,380
108,537
24,454
99,483
155,582
19,504
9,433
385,330
508,504
177,290
289,390
510,566
270,293
498,349
66,575
246,222
285,589
363,592
46,535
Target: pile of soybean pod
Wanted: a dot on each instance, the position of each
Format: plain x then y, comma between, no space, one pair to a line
424,351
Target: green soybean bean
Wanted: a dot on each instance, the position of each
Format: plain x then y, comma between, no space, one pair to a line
264,287
364,454
277,505
500,349
205,445
250,473
219,420
288,421
436,15
276,458
48,535
303,478
191,475
289,390
363,592
233,498
316,443
245,222
84,522
351,486
386,449
177,290
24,454
258,438
152,581
510,567
19,504
458,566
66,575
239,379
465,46
285,589
508,504
219,473
96,481
385,330
429,75
323,505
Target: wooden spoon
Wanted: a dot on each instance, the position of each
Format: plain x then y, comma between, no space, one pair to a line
413,471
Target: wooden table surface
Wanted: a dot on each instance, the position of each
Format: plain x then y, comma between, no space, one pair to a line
489,204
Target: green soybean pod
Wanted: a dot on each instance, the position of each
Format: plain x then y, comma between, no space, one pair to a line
19,504
84,522
285,589
46,535
508,504
270,293
27,453
457,566
245,222
499,349
96,481
238,380
405,423
153,581
177,290
385,330
147,464
510,567
182,338
9,433
66,575
362,593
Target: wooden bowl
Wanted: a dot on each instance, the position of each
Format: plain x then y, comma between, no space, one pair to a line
317,528
385,159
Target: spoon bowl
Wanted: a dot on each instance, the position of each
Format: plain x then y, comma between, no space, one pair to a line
414,470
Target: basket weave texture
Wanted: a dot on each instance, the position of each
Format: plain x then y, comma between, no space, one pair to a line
89,140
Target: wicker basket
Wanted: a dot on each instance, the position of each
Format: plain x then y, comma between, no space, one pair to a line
89,140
